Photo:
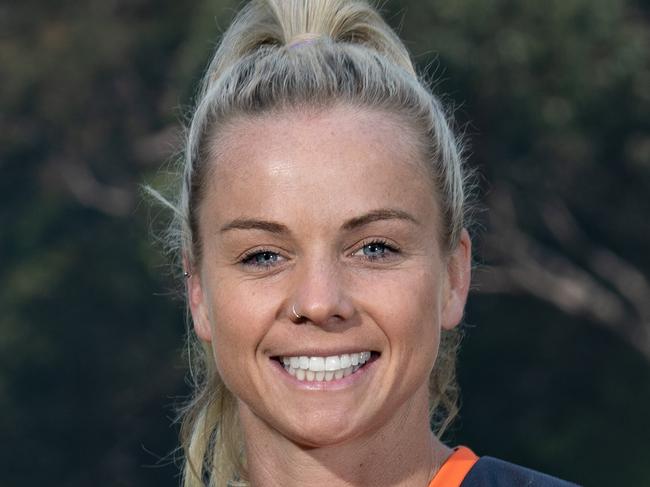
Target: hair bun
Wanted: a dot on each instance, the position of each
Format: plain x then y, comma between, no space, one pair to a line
286,23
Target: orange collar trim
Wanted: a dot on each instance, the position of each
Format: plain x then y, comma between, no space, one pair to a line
455,468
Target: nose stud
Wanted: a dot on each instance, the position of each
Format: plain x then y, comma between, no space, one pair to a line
295,313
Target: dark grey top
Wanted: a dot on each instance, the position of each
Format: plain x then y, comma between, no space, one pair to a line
492,472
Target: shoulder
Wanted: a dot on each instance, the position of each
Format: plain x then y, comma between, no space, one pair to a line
492,472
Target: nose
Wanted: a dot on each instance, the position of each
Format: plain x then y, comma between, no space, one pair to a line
320,295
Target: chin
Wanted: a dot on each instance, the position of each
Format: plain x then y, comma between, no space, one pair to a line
324,428
319,437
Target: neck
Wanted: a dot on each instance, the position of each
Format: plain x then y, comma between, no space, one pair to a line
401,453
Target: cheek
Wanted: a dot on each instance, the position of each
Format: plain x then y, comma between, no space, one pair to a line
238,324
406,306
424,323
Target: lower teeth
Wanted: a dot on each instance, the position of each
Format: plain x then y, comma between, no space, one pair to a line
321,376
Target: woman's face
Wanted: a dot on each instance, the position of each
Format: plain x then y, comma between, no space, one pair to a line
332,214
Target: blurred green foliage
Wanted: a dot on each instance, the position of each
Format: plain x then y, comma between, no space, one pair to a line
555,99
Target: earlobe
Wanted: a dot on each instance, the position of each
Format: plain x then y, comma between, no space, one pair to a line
198,307
459,270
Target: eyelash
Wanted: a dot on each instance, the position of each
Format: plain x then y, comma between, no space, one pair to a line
390,248
248,258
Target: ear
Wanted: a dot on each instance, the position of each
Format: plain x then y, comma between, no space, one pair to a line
459,270
198,304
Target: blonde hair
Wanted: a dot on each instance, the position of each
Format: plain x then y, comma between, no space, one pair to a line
279,55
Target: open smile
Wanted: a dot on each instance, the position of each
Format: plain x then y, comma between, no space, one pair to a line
319,369
325,369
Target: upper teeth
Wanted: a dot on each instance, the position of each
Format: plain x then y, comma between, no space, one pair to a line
331,363
324,368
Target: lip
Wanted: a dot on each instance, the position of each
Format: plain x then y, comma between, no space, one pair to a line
323,352
361,375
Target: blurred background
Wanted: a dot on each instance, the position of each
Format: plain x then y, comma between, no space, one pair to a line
554,97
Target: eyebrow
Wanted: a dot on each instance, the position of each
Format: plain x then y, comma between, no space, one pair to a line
252,224
352,224
378,215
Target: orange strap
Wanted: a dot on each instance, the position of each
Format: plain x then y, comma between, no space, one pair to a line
455,468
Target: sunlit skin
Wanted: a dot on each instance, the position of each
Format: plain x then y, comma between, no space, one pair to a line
332,212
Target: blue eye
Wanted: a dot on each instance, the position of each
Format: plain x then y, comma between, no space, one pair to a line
264,258
376,250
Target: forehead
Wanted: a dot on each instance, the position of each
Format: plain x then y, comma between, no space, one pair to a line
333,162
